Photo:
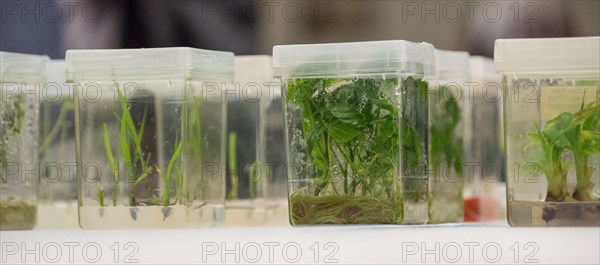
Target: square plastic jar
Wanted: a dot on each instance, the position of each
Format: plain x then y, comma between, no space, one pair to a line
275,155
21,77
485,192
552,130
449,143
356,131
150,128
251,199
57,187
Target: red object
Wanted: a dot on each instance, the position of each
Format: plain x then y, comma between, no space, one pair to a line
472,209
477,210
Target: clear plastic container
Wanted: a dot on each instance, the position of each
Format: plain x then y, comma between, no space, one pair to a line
250,198
552,130
150,136
21,77
485,192
356,131
448,139
57,188
275,155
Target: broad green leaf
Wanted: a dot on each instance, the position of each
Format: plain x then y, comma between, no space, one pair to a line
343,132
349,114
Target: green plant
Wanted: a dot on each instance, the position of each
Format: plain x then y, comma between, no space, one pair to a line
55,133
350,128
578,133
61,123
136,162
414,150
232,171
194,131
445,157
253,179
446,146
194,142
232,165
12,119
15,214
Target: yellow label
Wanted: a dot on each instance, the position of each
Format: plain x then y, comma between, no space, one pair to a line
559,99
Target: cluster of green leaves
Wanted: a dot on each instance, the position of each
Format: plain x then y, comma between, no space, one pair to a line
356,132
578,133
352,126
137,163
446,146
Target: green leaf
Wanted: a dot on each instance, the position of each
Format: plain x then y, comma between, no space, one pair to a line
174,158
124,145
559,126
108,152
348,114
342,132
100,193
165,195
144,175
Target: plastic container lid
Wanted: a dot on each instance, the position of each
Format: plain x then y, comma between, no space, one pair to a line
252,73
482,69
354,57
56,86
155,63
452,65
547,55
18,67
253,67
56,71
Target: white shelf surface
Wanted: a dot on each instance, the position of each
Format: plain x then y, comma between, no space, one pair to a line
485,243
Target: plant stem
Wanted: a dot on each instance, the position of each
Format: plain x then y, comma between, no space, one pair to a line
583,189
55,131
232,161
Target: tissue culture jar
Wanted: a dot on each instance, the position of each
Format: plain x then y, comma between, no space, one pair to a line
20,76
345,141
151,141
57,188
552,149
356,131
250,196
552,130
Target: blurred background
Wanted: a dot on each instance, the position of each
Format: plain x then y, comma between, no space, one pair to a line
254,26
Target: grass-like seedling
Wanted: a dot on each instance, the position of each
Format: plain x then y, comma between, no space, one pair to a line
53,148
579,134
233,174
60,125
349,138
137,162
232,166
